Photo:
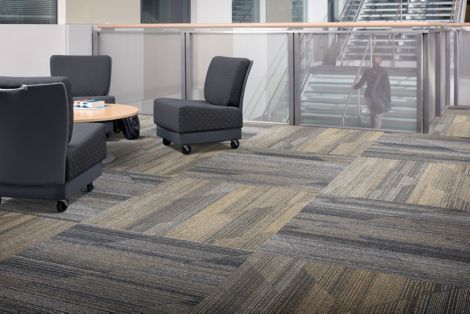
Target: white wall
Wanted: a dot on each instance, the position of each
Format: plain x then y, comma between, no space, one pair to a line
317,11
102,11
26,49
211,11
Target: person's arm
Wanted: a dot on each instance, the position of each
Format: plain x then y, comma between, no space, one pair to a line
362,81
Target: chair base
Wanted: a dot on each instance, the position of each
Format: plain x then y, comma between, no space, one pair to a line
199,137
53,192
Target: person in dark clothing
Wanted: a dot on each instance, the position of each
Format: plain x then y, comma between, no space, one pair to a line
378,93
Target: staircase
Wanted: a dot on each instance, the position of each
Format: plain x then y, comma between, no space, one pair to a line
324,96
245,11
328,87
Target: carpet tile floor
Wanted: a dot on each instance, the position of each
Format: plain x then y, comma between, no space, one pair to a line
298,219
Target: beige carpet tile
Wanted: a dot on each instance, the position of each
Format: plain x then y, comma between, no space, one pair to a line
455,122
316,140
207,211
19,231
412,182
267,283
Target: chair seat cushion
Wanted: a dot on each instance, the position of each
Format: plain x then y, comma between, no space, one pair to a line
86,149
187,116
107,99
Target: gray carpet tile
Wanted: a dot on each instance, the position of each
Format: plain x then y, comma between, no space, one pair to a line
420,148
415,241
88,269
268,283
112,188
279,168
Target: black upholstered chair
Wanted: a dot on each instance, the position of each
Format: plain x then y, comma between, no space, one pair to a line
218,118
44,155
90,76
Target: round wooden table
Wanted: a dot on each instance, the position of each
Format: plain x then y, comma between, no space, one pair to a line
110,113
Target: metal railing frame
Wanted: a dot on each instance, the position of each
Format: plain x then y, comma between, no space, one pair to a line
294,67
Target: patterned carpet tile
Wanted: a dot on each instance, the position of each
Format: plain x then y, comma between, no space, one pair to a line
413,182
87,269
414,241
18,231
267,283
112,188
148,155
306,171
420,148
455,122
208,211
342,142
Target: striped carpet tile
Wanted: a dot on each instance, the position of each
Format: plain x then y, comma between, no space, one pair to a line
207,211
443,185
415,241
267,283
111,188
455,122
315,140
249,166
420,148
19,231
88,269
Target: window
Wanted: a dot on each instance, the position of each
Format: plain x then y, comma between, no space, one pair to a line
298,11
165,11
245,11
28,11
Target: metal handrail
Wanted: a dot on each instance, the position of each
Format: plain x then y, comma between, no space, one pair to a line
348,99
342,53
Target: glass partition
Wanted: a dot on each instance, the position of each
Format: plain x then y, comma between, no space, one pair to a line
267,91
146,65
463,68
331,64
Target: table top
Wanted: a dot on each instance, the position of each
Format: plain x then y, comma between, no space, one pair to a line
110,113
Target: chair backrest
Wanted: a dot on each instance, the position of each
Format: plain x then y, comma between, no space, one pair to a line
89,75
33,134
10,82
226,80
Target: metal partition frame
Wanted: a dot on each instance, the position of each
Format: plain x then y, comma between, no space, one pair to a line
429,64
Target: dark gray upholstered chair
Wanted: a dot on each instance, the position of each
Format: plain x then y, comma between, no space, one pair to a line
44,155
218,118
90,76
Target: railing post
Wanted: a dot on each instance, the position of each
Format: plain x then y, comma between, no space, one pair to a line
419,83
186,66
456,68
95,42
293,48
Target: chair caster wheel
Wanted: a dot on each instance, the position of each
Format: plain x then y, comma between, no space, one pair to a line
234,144
90,187
166,142
62,206
186,149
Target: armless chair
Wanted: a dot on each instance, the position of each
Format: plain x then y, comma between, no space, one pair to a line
218,118
43,154
90,76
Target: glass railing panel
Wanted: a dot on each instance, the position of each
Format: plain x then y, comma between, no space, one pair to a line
267,91
332,62
146,65
464,67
